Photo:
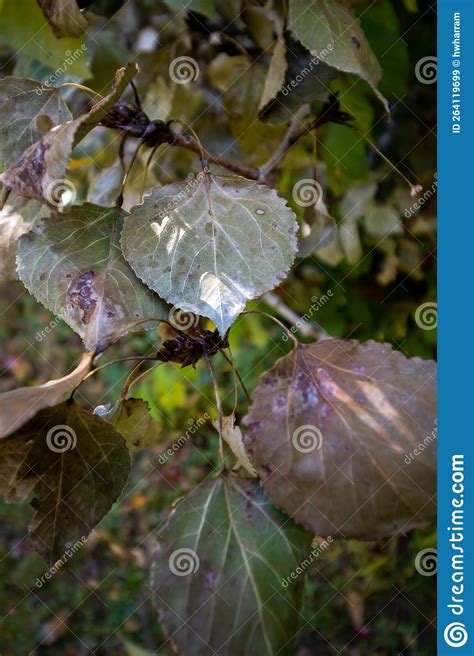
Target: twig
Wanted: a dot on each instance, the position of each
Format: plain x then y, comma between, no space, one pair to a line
294,129
184,141
306,328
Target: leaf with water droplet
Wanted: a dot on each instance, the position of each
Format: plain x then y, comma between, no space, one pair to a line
211,243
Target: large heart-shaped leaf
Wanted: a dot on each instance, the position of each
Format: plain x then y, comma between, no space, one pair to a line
75,464
73,264
25,105
211,243
40,171
19,405
334,429
332,33
220,572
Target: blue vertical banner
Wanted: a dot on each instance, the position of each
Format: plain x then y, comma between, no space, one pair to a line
456,327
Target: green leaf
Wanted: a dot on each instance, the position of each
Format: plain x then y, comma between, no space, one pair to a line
276,72
64,17
72,263
133,420
210,244
382,220
29,32
22,102
219,574
381,26
345,155
332,33
205,7
16,218
74,463
261,24
242,82
19,405
318,229
334,429
299,79
40,172
106,185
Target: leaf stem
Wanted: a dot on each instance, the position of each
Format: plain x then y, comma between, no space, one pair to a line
414,188
220,413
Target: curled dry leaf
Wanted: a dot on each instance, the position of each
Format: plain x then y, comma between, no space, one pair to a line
40,171
24,106
72,263
19,405
233,437
211,243
74,463
16,218
333,430
220,569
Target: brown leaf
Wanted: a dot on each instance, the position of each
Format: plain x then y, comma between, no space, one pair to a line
19,405
333,429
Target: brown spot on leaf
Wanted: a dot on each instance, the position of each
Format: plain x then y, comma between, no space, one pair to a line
82,296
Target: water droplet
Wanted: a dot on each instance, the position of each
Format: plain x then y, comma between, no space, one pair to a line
260,211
